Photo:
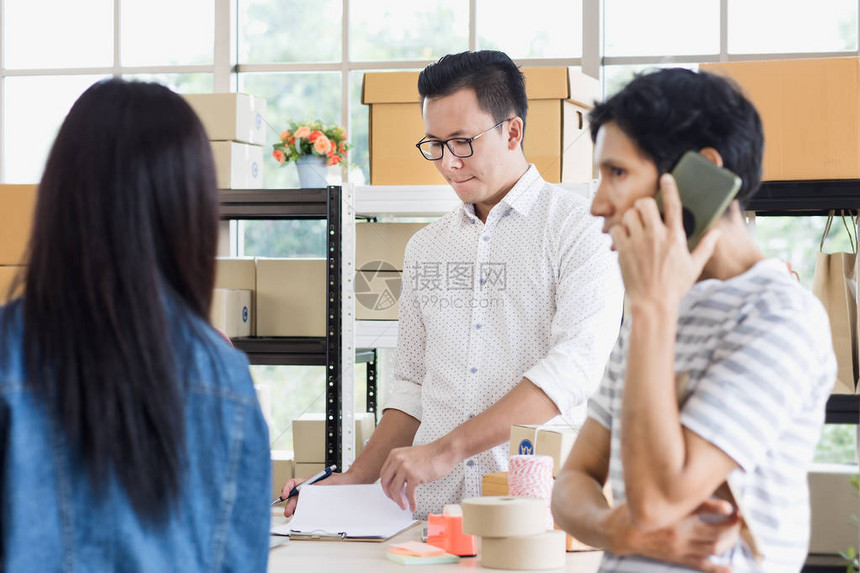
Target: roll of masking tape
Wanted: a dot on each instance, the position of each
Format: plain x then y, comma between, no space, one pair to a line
503,516
528,552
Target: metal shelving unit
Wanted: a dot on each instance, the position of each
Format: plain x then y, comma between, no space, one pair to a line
813,198
336,351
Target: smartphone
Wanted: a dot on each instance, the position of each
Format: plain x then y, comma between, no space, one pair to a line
706,191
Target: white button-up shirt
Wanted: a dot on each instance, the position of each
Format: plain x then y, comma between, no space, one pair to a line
534,292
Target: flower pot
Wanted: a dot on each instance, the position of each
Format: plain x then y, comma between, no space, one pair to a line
312,170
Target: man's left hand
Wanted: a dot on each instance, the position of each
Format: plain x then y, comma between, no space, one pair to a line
407,468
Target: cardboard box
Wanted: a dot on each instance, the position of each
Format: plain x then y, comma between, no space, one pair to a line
495,483
833,501
810,114
309,436
282,470
554,440
7,275
556,139
291,297
231,311
382,243
231,116
377,295
234,273
17,206
238,165
306,470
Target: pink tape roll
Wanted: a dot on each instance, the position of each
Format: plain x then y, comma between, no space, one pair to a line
531,476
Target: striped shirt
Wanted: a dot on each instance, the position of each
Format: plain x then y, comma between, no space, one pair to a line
761,365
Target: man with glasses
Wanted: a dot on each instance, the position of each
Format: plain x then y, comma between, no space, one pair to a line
510,303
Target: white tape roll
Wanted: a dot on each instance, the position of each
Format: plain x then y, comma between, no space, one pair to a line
503,516
529,552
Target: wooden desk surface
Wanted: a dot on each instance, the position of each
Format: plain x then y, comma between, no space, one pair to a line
364,557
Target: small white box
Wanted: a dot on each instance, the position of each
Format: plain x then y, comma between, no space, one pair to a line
238,165
833,502
231,311
236,273
231,116
547,440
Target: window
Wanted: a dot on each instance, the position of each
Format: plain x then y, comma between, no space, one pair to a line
308,61
385,30
830,27
54,50
661,27
547,28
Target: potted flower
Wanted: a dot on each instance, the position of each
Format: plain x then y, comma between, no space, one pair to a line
313,146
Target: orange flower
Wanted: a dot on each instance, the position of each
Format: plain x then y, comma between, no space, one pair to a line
279,156
315,134
285,135
333,159
322,145
303,131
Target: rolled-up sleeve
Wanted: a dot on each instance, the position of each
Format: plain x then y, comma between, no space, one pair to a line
409,366
588,307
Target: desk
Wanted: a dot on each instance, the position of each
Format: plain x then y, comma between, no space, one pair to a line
364,557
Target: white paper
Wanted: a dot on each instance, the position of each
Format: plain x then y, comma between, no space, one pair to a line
354,510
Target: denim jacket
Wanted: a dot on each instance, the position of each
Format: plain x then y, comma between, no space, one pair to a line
52,520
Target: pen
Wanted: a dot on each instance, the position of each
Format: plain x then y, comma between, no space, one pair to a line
313,479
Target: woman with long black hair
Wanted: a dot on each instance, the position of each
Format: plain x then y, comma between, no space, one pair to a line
130,433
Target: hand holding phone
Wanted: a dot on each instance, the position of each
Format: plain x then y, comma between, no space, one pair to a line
705,190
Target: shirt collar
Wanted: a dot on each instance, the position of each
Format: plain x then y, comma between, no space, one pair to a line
520,198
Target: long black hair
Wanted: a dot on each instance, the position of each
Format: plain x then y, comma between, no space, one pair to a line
122,248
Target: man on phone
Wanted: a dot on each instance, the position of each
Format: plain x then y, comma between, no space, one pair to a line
510,303
723,364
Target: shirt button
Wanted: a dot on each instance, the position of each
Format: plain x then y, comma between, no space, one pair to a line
473,369
470,463
508,214
471,416
479,326
483,281
486,238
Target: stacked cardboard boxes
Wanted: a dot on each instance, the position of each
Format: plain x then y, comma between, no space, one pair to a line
557,140
379,261
309,440
235,290
17,206
809,112
236,128
287,296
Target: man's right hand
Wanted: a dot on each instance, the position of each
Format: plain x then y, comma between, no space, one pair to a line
691,542
334,479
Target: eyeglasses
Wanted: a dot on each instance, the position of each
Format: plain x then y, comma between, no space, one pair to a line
433,149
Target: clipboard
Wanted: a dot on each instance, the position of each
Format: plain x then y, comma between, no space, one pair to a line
341,536
345,513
